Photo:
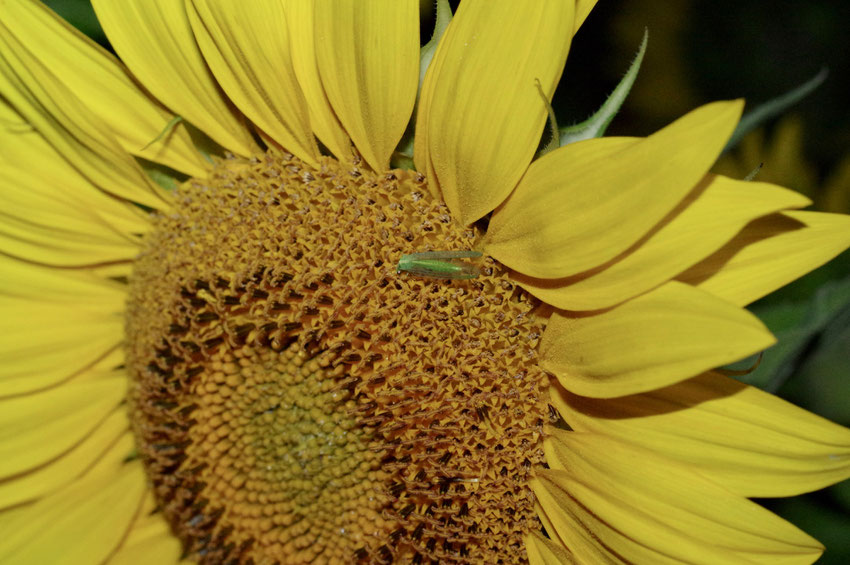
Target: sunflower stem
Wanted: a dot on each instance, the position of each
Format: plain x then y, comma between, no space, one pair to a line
596,124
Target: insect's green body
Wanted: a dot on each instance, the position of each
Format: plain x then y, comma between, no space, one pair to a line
172,123
440,264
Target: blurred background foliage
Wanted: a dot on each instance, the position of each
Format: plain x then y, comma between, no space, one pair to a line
704,51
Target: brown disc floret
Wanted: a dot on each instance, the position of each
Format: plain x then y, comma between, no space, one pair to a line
295,399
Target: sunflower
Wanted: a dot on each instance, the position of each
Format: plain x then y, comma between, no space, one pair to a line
213,349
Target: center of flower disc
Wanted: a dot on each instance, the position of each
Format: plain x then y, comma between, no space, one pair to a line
295,399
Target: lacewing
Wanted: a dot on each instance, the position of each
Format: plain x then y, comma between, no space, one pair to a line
440,264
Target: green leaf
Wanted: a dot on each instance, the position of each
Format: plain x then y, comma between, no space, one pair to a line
774,107
823,381
800,328
596,124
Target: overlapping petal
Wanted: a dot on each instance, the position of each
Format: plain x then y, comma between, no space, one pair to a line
65,468
32,165
770,253
642,508
73,129
584,204
709,217
57,286
40,224
40,348
149,540
36,428
82,523
746,440
480,113
325,123
545,551
662,337
46,340
242,42
154,39
368,57
93,75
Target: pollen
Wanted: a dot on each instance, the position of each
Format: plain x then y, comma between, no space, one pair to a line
295,399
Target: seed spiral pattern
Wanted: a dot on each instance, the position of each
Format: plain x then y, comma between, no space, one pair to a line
295,399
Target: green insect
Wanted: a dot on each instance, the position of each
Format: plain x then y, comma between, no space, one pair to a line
169,127
440,264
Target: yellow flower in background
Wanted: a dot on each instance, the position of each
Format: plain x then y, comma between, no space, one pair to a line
236,371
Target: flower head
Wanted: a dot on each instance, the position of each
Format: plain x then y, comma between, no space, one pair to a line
221,346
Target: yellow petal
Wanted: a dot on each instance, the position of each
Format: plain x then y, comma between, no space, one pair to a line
22,279
106,367
646,509
42,344
38,223
746,440
50,246
96,77
583,8
154,39
46,236
368,57
247,48
149,541
27,199
480,114
662,337
82,523
113,271
326,126
57,246
71,127
544,551
583,204
67,467
36,428
30,161
770,253
708,218
564,527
